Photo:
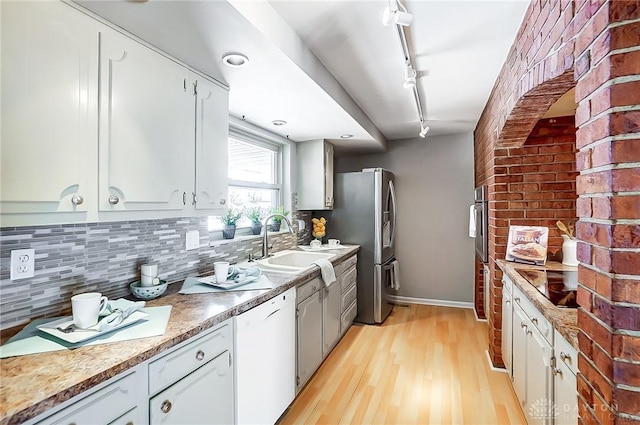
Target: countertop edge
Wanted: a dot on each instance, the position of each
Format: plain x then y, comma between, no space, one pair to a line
26,412
565,321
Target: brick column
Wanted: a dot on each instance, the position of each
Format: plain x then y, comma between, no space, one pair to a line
607,70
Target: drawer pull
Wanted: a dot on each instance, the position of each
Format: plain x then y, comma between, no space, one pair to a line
517,299
535,320
508,302
564,356
200,355
165,406
523,325
556,371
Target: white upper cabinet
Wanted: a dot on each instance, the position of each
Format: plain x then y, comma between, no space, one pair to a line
315,175
49,126
146,128
212,131
97,126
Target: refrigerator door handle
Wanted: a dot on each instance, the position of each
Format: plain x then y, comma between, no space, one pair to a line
392,191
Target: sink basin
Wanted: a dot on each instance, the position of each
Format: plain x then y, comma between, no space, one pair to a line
289,261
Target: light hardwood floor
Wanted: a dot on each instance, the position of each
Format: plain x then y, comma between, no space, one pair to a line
424,365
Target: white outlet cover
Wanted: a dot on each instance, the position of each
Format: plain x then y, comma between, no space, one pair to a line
22,263
192,240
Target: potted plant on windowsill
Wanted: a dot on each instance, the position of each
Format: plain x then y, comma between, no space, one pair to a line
230,220
276,222
255,214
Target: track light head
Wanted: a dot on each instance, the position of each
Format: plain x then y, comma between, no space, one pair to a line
398,17
409,76
423,130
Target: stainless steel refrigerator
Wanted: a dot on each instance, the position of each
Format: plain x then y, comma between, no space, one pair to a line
365,214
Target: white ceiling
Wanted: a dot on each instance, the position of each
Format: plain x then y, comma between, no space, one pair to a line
330,67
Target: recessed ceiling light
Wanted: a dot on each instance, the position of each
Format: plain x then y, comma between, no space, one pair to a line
279,122
235,60
346,136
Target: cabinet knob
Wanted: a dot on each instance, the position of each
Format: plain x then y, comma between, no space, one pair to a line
113,199
564,356
508,302
556,371
223,201
200,355
165,406
517,299
77,200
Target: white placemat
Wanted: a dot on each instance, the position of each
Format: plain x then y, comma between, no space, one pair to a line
192,285
31,341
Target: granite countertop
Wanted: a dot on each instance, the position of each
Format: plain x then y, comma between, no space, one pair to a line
30,385
564,320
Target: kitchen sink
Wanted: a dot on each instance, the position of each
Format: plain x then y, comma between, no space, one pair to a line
289,261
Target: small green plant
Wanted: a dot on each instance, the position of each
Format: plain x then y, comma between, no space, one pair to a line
231,217
255,214
279,210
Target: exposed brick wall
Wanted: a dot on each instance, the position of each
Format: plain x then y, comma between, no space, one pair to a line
596,44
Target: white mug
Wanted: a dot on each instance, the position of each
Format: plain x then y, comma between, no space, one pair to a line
149,270
221,269
333,242
87,307
148,280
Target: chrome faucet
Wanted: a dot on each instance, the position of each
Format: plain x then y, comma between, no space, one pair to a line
265,244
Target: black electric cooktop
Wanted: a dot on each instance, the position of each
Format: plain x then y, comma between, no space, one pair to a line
557,286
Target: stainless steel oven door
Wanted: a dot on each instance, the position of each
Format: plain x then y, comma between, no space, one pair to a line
482,236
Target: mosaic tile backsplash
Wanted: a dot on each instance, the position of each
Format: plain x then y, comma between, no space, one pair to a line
106,257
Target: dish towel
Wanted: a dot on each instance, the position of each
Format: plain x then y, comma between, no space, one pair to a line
472,222
117,311
326,270
395,278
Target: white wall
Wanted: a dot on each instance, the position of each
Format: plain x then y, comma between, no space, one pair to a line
434,183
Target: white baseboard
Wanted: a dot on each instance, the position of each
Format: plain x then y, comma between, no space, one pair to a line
425,301
491,366
475,313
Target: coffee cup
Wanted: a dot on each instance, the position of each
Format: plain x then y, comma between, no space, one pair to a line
333,242
86,308
149,280
221,269
315,243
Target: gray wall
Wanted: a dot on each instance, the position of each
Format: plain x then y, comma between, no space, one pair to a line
434,183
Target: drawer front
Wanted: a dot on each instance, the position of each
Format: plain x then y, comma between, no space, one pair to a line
349,278
564,352
170,368
104,406
305,290
349,262
536,317
507,285
347,317
348,297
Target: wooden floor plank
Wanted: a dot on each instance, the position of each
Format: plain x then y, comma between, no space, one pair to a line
424,365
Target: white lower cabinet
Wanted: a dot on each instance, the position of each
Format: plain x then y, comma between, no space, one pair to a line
203,397
308,336
543,363
113,404
507,325
331,317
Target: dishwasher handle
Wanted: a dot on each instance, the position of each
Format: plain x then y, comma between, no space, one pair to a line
272,313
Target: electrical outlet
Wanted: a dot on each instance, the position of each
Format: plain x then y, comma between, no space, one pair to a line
22,263
192,240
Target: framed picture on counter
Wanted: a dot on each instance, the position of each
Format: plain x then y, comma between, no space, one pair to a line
527,244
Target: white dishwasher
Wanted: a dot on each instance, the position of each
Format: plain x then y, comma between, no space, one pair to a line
265,369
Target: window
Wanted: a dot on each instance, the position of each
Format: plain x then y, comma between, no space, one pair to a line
255,176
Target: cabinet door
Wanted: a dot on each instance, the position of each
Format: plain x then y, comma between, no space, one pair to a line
146,128
331,317
203,397
538,406
212,131
49,108
566,395
507,327
519,359
328,175
309,337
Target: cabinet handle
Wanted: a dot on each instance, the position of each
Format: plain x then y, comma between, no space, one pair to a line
165,406
523,325
223,201
535,320
194,199
556,371
77,200
564,356
517,299
113,199
508,302
184,198
200,355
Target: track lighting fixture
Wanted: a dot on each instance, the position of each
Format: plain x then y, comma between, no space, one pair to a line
409,76
397,14
424,129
